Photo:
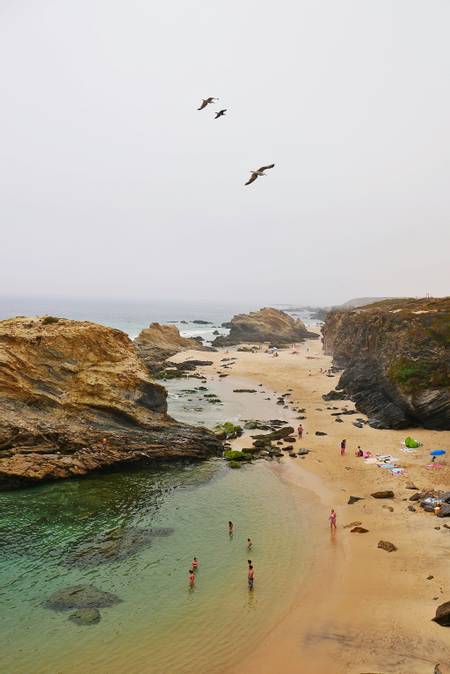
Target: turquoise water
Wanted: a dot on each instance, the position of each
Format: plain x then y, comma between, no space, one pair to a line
161,626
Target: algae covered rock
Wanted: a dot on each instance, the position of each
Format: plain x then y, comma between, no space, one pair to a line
85,616
80,597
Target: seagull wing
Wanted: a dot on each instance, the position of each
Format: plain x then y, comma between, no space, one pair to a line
264,168
251,179
203,105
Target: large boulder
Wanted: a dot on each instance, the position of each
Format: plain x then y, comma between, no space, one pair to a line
395,359
157,343
442,616
75,397
265,325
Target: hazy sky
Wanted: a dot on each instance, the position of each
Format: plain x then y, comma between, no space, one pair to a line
112,184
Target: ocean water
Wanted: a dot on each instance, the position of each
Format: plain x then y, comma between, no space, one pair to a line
131,317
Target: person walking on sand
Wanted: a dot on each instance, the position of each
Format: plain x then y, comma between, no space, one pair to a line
191,579
195,564
250,576
249,544
343,447
332,519
300,431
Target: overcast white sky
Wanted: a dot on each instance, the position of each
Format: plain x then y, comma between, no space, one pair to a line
112,184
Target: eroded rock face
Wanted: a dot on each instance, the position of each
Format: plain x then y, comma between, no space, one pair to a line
396,356
157,343
265,325
67,385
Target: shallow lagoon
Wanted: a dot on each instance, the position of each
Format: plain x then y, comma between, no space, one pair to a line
160,627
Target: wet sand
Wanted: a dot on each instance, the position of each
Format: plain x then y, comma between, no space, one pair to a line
360,609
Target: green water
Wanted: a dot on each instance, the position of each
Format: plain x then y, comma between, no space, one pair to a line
160,627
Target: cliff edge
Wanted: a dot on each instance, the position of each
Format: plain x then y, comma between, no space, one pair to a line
396,360
75,397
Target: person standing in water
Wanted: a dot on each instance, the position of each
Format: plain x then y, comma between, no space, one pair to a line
195,564
250,576
332,519
300,431
230,528
249,544
343,447
191,579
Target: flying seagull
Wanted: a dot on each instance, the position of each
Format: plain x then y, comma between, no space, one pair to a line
258,172
207,101
220,113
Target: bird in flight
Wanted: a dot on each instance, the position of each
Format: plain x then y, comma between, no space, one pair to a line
258,172
207,101
220,113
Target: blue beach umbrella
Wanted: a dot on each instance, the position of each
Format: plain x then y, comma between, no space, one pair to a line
438,452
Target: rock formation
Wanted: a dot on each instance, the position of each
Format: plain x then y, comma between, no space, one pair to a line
75,397
396,360
265,325
157,343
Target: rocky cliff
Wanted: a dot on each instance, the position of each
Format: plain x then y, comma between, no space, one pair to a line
157,343
75,397
265,325
396,360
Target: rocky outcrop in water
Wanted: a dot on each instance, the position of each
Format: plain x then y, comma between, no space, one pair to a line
396,360
76,398
157,343
265,325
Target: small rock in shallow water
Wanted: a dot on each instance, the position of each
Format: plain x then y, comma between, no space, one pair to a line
358,530
85,616
387,545
320,433
81,596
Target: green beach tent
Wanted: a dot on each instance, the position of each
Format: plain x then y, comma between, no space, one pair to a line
410,442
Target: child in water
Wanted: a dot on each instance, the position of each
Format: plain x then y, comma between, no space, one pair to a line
195,564
230,528
249,544
191,579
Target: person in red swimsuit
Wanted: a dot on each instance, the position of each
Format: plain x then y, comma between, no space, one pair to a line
250,576
195,564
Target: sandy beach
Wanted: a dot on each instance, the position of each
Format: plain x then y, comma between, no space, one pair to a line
360,609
